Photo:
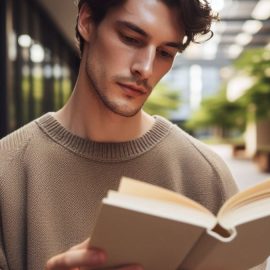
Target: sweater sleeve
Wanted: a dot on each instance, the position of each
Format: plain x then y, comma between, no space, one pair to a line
225,182
12,148
3,258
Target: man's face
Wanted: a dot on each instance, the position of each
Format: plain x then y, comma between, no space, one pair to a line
130,51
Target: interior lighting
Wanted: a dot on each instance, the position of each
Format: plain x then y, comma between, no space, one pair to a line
57,71
195,86
47,71
234,50
37,71
66,72
252,26
219,27
238,86
12,46
243,39
24,41
211,47
37,53
217,5
261,10
25,71
226,72
193,51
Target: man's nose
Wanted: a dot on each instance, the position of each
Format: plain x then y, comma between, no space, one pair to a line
143,63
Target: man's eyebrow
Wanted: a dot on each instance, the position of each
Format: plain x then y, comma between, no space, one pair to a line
132,27
178,45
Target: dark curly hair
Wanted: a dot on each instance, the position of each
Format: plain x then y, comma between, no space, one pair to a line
196,16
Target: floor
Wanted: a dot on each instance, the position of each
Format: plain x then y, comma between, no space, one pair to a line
245,171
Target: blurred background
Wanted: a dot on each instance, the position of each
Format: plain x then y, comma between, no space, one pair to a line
218,91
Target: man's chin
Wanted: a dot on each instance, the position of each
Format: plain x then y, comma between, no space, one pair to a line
121,108
126,114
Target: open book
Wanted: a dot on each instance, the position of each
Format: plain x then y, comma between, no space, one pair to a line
163,230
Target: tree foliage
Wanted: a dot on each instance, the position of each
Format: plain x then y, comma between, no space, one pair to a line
217,111
162,101
256,63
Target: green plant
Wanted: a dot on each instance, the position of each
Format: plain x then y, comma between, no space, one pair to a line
162,101
217,111
256,63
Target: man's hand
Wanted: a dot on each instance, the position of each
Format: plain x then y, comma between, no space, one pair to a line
82,257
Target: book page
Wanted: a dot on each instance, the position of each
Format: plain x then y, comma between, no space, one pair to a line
255,193
142,189
245,213
163,209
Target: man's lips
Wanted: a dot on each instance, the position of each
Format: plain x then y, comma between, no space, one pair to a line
134,88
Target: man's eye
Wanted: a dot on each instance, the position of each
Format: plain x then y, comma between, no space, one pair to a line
130,40
166,54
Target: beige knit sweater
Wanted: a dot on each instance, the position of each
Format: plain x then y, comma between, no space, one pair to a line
52,182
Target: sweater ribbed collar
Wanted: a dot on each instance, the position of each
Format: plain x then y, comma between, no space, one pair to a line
100,151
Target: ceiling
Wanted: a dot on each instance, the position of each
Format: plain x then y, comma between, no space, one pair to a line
240,26
230,36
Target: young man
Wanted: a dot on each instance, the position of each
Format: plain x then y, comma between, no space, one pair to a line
55,170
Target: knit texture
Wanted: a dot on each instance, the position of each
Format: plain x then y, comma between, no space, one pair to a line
52,183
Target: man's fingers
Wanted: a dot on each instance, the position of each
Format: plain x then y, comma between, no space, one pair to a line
82,256
83,245
76,258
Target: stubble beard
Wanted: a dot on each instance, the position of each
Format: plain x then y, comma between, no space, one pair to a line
112,105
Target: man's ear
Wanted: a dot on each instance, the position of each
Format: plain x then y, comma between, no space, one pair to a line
85,23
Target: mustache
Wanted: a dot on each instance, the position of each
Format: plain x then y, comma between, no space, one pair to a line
137,81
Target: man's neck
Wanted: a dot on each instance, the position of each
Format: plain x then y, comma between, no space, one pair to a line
87,121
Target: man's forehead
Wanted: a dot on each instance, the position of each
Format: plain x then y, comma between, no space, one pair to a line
153,16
